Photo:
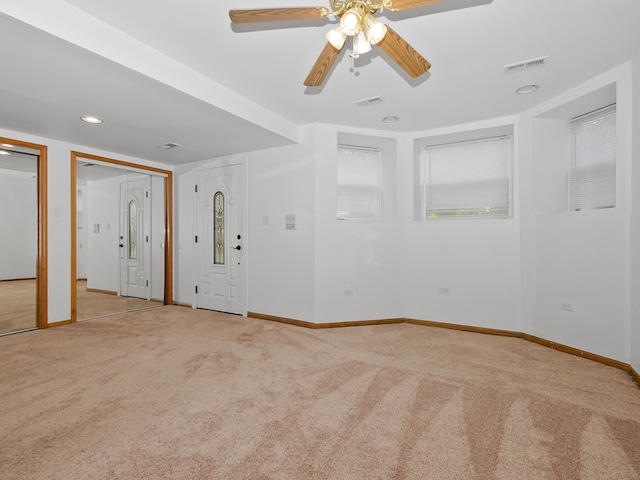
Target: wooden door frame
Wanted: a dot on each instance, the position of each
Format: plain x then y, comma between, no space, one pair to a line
41,259
168,218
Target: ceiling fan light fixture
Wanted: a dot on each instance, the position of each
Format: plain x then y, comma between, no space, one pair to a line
351,21
374,29
337,37
360,44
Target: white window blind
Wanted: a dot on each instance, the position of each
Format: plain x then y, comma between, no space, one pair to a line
359,183
469,179
592,182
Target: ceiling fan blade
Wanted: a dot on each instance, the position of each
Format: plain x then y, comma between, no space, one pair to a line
276,14
395,5
322,66
403,54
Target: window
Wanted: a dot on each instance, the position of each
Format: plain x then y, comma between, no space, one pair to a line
592,179
467,179
359,183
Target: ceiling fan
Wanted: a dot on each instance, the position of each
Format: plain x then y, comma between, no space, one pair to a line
356,21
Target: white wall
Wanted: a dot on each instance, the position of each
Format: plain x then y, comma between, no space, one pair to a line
184,225
508,274
635,220
577,257
157,237
282,262
103,252
364,257
81,229
19,220
476,260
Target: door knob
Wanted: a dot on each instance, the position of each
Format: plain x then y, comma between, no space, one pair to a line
238,247
121,245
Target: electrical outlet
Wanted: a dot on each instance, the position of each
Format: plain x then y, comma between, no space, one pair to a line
444,291
567,306
348,293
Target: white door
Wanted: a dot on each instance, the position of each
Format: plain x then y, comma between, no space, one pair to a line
220,240
135,254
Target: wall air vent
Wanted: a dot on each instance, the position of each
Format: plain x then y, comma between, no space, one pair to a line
168,146
368,102
526,65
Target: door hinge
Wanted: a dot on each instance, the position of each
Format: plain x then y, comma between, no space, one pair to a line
196,238
196,188
147,194
196,289
147,283
147,238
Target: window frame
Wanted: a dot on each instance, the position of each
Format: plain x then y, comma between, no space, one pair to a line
469,212
377,217
576,201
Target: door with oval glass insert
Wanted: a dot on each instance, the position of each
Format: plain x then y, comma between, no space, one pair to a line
135,230
220,240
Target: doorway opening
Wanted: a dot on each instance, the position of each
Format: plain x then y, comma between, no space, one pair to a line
121,237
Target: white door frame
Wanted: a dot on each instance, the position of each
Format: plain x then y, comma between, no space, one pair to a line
244,180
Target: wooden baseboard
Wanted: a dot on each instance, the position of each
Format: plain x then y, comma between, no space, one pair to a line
97,290
577,352
360,323
59,324
288,321
317,326
635,375
464,328
182,304
17,279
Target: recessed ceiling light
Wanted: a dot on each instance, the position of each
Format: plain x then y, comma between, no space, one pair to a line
91,119
4,152
527,89
390,119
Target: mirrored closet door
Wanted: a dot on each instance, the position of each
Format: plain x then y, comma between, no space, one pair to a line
120,242
18,237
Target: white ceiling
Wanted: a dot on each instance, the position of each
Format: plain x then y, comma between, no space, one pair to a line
164,71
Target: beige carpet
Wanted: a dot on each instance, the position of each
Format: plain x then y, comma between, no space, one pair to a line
17,305
92,304
184,394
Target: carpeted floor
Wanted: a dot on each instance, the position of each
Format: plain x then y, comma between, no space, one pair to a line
190,394
18,304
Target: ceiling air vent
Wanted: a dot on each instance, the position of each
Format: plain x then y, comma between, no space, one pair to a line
526,65
168,146
368,102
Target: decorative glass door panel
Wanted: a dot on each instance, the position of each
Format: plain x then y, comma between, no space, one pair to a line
133,230
218,229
